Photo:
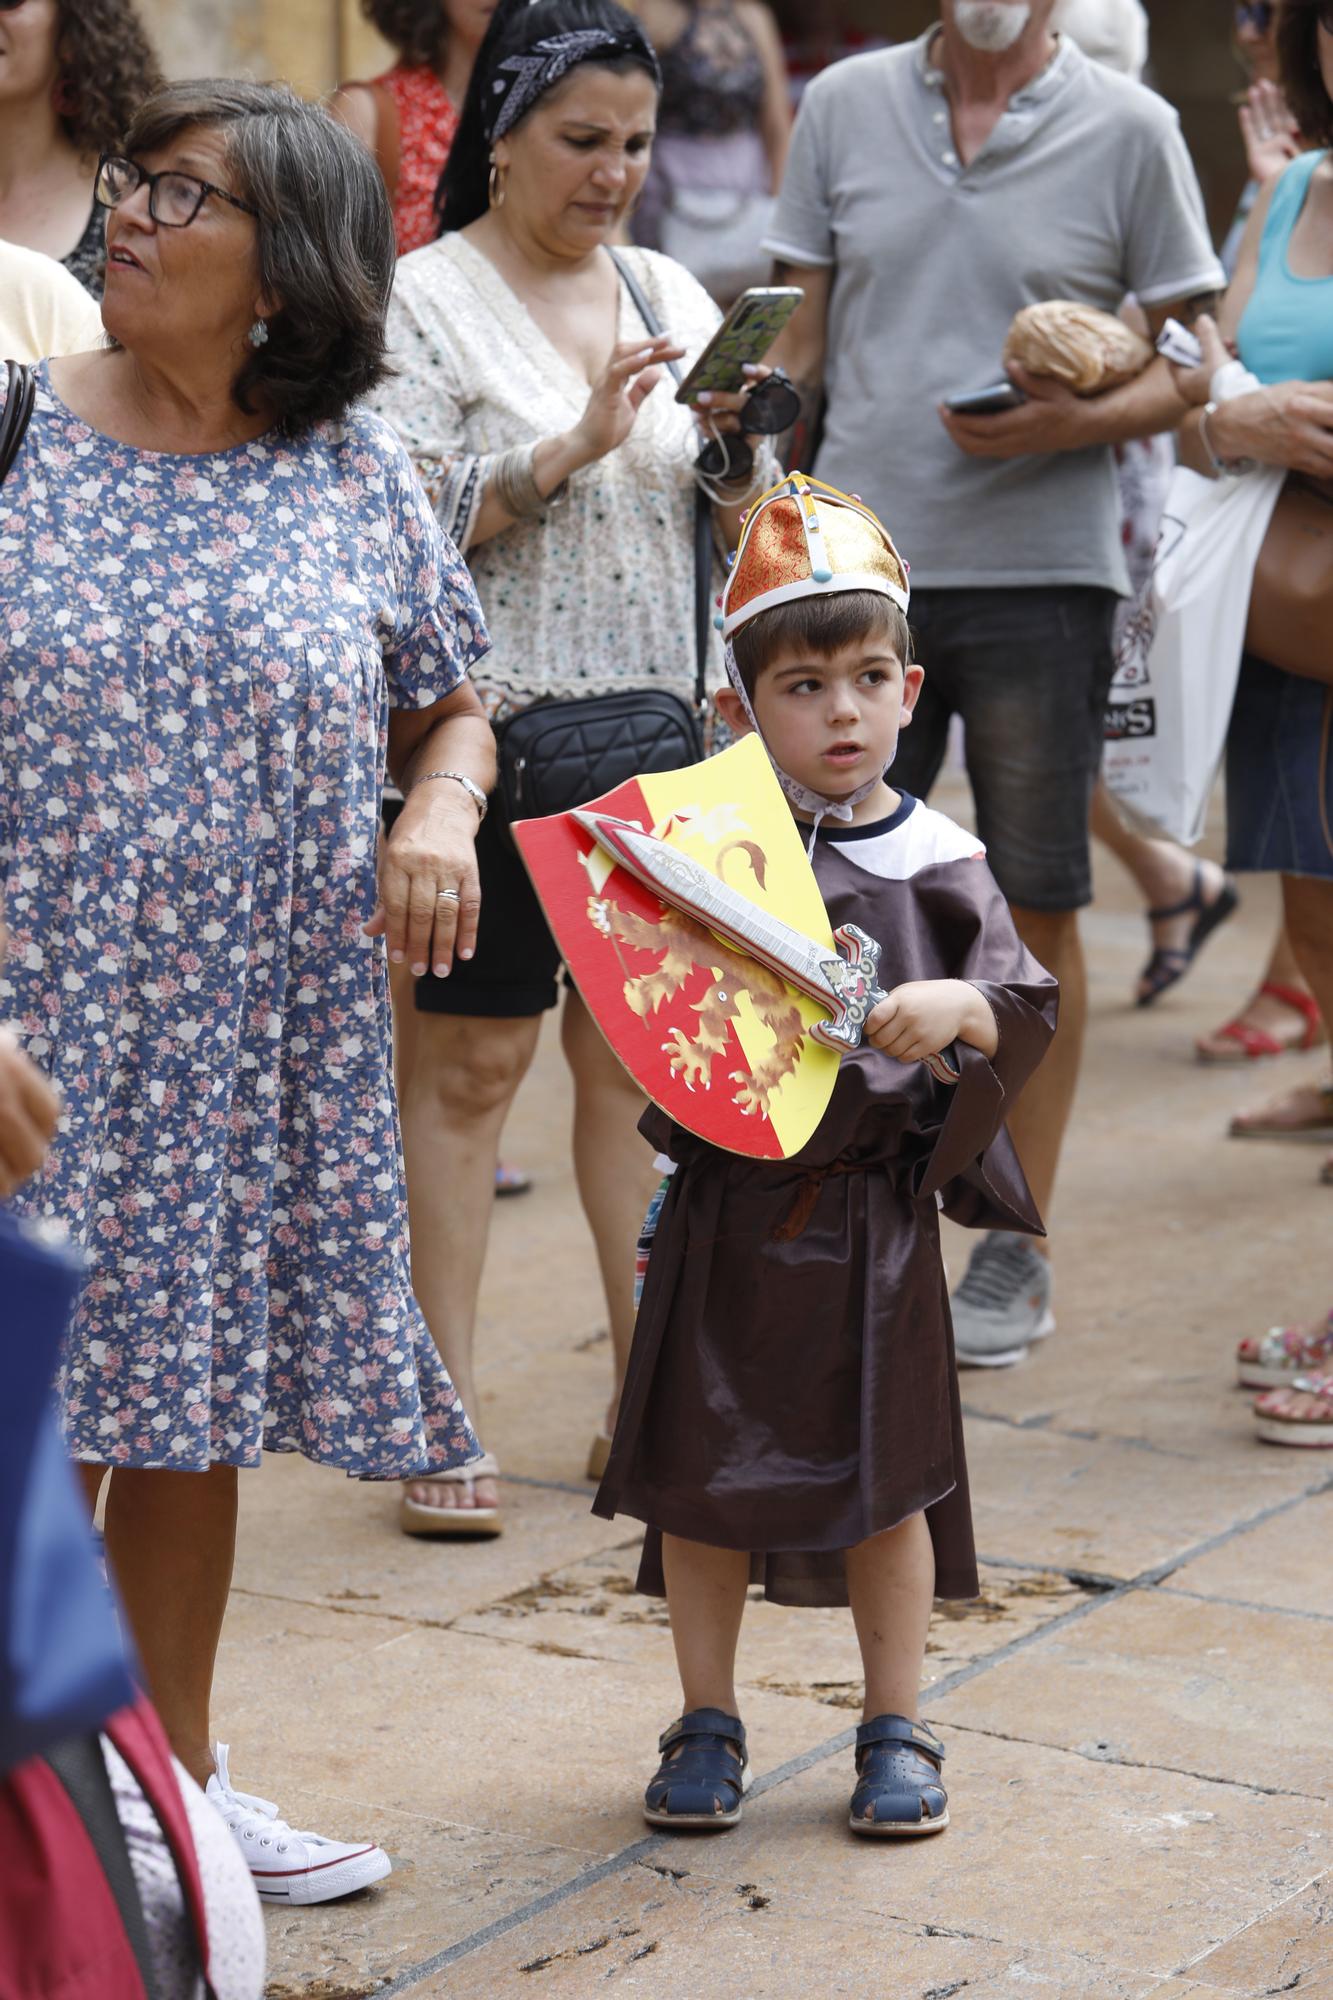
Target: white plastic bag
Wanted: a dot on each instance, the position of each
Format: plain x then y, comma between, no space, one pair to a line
1179,654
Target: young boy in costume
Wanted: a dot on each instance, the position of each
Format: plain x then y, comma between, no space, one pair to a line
791,1411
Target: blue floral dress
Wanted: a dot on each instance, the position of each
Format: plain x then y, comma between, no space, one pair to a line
198,655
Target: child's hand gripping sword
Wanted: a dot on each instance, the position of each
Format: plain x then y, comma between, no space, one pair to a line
845,986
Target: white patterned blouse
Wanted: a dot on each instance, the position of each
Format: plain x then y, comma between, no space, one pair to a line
597,594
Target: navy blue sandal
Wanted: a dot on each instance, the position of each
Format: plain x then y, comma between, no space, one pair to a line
898,1772
703,1783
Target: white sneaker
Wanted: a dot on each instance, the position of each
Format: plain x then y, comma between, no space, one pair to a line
286,1866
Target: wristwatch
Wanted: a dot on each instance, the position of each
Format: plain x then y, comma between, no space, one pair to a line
473,790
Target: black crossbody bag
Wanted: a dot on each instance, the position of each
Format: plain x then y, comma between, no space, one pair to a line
17,414
563,751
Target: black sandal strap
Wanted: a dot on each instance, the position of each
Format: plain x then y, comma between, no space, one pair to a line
1186,906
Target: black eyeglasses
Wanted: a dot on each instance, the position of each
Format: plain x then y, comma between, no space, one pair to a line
767,411
174,199
11,6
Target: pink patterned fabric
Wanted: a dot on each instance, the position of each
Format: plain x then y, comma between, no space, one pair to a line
427,123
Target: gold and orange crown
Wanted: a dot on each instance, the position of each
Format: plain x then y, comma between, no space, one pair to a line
805,539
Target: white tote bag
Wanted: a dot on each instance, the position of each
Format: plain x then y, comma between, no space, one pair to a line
1179,654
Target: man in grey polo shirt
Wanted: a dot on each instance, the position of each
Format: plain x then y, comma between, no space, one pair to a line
931,191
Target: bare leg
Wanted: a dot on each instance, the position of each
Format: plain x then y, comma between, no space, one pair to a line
1307,907
465,1072
1038,1120
891,1583
405,1018
706,1598
614,1170
171,1544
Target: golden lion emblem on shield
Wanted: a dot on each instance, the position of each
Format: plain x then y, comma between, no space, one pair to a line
679,944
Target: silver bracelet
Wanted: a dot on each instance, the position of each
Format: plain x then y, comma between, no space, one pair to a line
1231,468
473,790
514,484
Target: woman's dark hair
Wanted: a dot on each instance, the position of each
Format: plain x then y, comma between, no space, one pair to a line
326,243
418,29
515,25
820,626
105,69
1302,77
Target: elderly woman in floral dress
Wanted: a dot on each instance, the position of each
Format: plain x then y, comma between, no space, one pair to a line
223,597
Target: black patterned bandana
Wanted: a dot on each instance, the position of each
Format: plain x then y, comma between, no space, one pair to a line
522,79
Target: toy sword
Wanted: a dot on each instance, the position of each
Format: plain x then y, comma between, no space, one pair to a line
844,986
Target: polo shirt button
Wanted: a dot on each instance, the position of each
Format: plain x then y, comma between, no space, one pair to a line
939,117
950,159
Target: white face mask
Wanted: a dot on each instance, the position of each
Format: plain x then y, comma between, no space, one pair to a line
991,25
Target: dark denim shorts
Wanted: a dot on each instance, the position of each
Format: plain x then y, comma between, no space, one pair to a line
1028,670
1280,774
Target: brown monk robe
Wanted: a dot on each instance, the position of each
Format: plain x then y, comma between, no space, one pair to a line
792,1387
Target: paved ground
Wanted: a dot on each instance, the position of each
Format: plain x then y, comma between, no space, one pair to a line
1136,1711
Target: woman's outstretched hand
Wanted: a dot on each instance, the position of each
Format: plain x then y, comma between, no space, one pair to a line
1272,136
632,373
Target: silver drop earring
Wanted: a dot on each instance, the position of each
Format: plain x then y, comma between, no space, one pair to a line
259,333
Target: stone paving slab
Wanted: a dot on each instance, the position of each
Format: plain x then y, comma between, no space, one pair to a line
448,1883
315,1537
640,1933
1106,1506
1289,1951
1045,1848
1284,1563
1171,1682
498,1736
591,1608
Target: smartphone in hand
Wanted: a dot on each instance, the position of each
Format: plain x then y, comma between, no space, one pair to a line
987,402
744,337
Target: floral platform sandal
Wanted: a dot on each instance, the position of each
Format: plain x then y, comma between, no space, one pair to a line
1283,1353
1301,1414
898,1788
704,1774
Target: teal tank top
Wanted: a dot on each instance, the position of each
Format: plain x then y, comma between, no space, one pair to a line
1286,330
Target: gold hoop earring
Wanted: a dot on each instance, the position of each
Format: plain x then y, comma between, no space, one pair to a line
495,187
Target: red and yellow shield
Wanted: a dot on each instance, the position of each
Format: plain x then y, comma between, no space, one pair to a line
719,1041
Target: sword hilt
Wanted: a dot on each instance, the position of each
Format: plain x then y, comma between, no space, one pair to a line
855,992
853,982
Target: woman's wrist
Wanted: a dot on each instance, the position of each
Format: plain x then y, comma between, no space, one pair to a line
558,458
1228,435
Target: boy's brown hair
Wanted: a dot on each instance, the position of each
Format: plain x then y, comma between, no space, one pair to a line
820,626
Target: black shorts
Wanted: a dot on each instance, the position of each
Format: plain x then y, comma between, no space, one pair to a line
1028,669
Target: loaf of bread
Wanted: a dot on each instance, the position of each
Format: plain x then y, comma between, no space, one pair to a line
1082,346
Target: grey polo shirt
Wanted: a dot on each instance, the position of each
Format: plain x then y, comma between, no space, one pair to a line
1083,191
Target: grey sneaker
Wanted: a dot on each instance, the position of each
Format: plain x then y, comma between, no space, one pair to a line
1003,1303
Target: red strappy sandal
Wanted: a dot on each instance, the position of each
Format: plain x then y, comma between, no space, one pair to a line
1252,1042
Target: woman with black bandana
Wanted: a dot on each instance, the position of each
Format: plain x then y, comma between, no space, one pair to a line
537,406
